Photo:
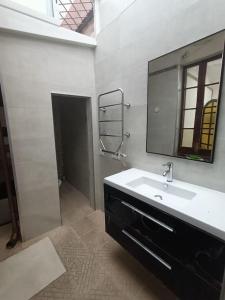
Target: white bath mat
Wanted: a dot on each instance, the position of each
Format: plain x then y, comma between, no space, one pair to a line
25,274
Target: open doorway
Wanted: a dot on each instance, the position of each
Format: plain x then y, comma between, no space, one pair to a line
74,153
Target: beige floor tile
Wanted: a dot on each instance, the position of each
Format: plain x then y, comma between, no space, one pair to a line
83,226
95,239
74,205
98,219
130,277
98,268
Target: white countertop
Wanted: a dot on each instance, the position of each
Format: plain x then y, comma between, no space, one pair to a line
205,211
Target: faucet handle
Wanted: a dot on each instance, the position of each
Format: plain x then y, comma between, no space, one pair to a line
168,164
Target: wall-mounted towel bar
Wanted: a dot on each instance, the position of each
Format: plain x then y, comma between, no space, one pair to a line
103,108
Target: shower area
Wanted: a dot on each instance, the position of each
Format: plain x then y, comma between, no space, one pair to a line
74,152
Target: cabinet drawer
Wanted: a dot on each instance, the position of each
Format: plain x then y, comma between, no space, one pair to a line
190,246
150,257
184,283
119,204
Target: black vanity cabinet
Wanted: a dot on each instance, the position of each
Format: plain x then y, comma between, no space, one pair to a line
188,260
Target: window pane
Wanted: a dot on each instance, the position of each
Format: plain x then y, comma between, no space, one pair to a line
213,71
204,139
189,118
192,76
204,147
206,131
209,116
211,138
187,140
207,119
211,93
191,98
207,110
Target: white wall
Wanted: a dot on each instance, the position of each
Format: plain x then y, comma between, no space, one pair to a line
146,30
18,18
110,10
30,69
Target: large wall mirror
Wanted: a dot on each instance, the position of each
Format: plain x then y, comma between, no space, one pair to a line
184,90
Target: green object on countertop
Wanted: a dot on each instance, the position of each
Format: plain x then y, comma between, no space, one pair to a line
194,157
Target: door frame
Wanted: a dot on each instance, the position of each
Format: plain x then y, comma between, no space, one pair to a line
88,105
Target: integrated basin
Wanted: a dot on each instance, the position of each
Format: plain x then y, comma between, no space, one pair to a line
199,206
168,188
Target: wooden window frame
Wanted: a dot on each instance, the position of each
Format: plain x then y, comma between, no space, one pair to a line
195,149
211,123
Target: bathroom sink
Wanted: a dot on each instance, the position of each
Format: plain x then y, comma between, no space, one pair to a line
197,205
169,188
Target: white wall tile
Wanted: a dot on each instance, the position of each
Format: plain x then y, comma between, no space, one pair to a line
30,70
146,30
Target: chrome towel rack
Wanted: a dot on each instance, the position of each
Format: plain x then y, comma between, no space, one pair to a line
103,108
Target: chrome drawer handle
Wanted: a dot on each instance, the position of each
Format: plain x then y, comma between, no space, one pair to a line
148,217
147,250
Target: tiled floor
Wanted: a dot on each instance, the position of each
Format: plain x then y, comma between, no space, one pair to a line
97,267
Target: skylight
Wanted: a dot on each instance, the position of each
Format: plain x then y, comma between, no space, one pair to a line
75,15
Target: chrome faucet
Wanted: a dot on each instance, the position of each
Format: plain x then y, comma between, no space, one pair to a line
169,171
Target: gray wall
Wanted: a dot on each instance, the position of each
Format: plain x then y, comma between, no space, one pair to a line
146,30
30,70
74,136
162,112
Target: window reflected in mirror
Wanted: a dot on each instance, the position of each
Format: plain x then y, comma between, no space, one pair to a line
200,94
183,100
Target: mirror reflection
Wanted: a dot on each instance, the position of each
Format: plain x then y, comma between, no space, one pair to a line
183,100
